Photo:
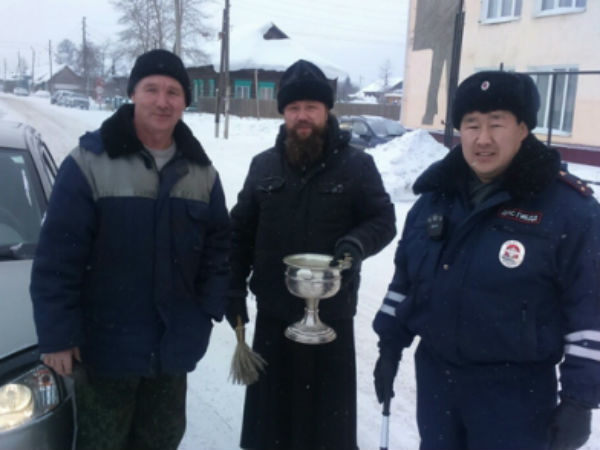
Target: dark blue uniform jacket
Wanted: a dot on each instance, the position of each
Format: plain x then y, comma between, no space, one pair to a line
132,263
514,280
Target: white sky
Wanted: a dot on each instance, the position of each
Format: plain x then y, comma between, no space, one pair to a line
358,36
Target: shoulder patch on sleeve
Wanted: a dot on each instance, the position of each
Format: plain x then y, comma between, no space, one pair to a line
576,183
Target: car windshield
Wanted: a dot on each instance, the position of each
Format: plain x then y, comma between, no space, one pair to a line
21,204
384,127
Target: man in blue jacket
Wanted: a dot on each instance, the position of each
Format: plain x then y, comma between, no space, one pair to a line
132,264
498,273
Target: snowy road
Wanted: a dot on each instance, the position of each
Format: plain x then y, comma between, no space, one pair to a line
214,404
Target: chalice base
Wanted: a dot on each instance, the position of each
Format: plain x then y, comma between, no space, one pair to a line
310,330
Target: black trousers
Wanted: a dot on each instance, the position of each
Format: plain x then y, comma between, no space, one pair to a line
492,407
133,413
307,397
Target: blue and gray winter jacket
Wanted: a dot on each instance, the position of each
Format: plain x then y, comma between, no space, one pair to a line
132,263
514,280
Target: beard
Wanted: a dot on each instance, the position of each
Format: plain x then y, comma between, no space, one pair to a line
305,151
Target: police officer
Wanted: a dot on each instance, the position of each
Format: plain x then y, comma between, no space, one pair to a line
497,271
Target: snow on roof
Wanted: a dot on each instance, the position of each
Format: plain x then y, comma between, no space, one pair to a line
378,85
248,49
42,73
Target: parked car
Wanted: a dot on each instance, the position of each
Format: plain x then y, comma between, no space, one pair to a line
36,405
369,131
73,100
76,100
56,96
20,91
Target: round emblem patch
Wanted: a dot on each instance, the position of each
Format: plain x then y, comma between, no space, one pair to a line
512,254
485,85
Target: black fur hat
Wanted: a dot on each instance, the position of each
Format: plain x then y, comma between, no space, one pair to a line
496,90
304,81
160,62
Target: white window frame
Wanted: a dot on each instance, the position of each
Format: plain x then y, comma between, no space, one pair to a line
543,127
556,9
242,91
266,93
499,19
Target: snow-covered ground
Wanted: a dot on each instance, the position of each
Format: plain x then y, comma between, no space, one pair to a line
214,404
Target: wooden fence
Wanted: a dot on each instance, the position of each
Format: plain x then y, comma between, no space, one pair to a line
268,108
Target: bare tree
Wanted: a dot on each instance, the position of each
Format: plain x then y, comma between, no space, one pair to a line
345,88
385,72
22,66
94,59
67,53
152,24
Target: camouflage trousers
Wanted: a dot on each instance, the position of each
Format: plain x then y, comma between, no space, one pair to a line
130,413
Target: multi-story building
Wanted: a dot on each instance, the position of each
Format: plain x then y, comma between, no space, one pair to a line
521,35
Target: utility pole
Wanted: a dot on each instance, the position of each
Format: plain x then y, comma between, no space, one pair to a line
32,67
85,66
178,24
227,87
454,69
50,65
223,86
256,92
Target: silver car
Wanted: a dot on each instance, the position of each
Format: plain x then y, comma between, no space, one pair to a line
36,405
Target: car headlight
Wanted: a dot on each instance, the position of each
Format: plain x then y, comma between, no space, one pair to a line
27,397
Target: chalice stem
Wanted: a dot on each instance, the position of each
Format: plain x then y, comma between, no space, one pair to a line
311,316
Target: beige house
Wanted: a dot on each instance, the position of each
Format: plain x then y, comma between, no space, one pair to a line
519,35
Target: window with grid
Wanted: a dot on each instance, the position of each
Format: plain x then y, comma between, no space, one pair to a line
198,91
266,90
564,99
242,88
560,6
501,10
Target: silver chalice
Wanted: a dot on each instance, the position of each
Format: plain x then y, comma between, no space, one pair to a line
309,275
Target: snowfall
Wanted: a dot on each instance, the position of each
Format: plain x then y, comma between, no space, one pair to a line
214,404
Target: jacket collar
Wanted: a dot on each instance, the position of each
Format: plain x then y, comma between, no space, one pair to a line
532,169
119,137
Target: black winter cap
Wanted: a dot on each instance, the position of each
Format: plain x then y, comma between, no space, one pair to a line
304,81
160,62
497,90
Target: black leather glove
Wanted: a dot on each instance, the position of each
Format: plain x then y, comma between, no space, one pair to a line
347,250
236,306
570,426
385,371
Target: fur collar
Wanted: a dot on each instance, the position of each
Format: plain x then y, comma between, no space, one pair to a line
119,138
532,169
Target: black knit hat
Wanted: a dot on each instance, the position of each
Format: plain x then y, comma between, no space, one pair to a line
304,81
160,62
497,90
